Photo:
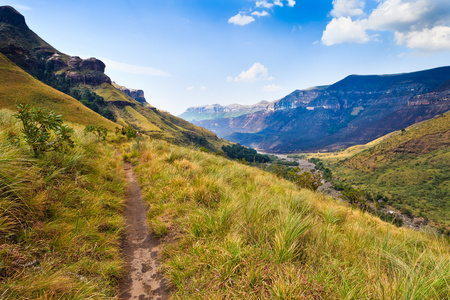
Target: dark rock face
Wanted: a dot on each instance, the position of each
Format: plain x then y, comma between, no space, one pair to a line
11,16
92,64
355,110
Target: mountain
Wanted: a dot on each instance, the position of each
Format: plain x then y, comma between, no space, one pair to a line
84,80
353,111
217,111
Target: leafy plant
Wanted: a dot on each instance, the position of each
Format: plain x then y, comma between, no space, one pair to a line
43,130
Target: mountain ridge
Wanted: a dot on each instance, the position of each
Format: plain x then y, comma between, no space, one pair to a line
354,110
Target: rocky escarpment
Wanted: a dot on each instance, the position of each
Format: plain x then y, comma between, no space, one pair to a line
137,95
26,49
355,110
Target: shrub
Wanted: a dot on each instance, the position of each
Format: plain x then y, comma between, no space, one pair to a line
44,130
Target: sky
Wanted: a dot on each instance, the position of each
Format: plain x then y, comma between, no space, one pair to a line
186,53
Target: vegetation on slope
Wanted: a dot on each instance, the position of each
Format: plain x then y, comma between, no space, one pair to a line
235,232
16,86
409,168
60,218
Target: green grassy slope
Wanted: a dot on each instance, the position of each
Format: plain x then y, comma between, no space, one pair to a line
156,123
17,86
411,168
60,219
235,232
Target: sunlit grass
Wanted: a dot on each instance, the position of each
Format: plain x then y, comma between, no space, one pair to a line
235,232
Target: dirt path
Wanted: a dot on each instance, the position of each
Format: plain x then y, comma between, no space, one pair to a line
141,250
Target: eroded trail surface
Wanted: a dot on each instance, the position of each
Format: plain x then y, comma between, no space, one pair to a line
141,251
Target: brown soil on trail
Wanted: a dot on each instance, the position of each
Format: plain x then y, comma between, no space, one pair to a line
143,279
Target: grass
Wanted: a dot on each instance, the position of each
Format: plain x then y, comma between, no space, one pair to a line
235,232
60,219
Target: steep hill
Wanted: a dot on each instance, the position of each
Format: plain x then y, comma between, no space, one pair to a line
85,80
353,111
410,168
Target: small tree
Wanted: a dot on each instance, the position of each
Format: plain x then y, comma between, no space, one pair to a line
43,130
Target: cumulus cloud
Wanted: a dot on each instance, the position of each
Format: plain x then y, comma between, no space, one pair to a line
272,88
241,19
256,72
344,30
267,4
434,39
260,13
417,24
347,8
291,3
133,69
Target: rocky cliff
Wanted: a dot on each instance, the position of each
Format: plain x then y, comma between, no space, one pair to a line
352,111
137,95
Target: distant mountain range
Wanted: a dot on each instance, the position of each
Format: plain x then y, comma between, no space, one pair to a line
86,94
352,111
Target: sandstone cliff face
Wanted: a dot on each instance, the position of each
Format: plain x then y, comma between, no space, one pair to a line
137,95
86,71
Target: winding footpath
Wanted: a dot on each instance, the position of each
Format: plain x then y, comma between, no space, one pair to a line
143,279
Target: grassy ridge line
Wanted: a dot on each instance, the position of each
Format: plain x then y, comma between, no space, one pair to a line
235,232
17,86
60,219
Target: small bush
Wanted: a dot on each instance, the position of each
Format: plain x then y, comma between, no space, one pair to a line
44,130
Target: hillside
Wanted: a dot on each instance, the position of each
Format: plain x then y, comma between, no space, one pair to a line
17,86
85,80
410,168
353,111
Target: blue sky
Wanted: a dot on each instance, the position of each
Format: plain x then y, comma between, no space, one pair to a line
186,53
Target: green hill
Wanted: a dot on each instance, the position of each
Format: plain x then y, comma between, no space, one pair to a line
410,168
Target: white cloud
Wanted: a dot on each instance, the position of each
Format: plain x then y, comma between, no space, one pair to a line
133,69
347,8
291,3
203,88
344,30
417,24
260,13
241,19
434,39
256,72
264,4
278,3
271,88
190,88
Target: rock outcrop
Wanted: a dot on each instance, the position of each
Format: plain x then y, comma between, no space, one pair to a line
137,95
